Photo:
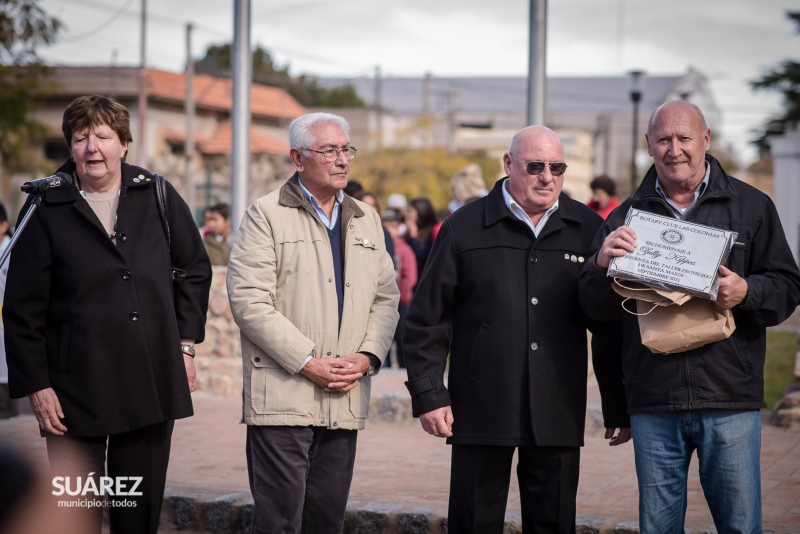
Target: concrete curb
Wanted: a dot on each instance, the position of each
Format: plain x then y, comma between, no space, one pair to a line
201,511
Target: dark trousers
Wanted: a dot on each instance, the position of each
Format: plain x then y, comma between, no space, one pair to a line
300,477
139,453
479,480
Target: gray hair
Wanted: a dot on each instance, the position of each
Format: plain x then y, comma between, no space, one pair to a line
301,130
512,148
670,102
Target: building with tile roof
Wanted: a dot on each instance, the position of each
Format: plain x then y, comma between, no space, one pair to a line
272,109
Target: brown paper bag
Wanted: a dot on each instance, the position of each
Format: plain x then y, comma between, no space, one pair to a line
670,324
674,329
639,291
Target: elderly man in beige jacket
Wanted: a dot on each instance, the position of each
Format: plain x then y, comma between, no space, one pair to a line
313,290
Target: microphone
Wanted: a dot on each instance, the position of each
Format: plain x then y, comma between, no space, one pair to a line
59,180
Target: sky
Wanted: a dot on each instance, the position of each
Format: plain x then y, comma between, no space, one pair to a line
730,41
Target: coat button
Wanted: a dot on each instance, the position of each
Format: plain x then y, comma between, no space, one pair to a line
534,301
534,346
335,424
330,280
134,316
348,284
123,237
329,354
257,359
534,260
126,275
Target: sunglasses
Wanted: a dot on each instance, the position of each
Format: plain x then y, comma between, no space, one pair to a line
557,168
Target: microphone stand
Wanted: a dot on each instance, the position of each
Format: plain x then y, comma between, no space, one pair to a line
20,228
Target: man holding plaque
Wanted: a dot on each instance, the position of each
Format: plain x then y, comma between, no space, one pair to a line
499,296
708,398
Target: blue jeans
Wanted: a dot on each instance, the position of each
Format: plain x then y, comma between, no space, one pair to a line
728,444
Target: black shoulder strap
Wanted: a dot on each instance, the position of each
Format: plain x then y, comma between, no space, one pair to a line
161,200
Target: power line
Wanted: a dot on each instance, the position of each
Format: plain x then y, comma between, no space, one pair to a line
151,17
100,26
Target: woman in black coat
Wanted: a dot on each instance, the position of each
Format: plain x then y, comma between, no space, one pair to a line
97,334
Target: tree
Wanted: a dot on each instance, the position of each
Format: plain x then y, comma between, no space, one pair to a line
418,172
24,27
785,79
217,62
307,91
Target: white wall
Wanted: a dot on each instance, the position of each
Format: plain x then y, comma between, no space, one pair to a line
786,157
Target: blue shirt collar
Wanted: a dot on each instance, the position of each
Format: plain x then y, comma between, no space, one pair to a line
329,223
698,192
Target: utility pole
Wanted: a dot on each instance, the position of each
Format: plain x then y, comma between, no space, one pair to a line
451,96
188,151
242,78
426,109
378,107
636,97
142,141
537,68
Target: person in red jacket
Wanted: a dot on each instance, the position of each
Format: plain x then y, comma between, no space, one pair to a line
604,198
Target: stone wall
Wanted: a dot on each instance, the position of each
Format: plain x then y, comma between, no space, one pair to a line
219,357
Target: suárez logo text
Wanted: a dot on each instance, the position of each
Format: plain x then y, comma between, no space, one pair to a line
113,486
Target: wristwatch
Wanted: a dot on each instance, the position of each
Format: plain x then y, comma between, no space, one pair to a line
374,363
187,349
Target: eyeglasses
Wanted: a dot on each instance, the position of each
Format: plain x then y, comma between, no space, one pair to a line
557,168
332,154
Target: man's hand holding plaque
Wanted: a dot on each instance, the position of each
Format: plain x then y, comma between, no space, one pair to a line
668,253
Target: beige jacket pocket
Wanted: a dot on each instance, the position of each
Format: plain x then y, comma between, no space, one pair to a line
274,391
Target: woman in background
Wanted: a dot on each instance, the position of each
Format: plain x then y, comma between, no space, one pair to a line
421,223
604,195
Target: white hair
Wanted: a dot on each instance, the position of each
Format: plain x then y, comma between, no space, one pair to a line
301,130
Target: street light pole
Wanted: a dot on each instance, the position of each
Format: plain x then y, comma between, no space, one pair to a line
636,97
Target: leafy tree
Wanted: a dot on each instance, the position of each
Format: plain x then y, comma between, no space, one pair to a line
309,93
217,62
418,172
785,79
24,26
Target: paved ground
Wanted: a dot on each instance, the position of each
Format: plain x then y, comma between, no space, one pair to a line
402,464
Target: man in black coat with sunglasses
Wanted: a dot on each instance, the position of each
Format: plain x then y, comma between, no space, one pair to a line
499,294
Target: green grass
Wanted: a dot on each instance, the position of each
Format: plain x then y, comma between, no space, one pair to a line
779,369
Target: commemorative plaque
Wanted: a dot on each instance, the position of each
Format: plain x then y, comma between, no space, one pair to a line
674,254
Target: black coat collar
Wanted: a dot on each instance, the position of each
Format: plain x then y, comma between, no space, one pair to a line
132,176
496,209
